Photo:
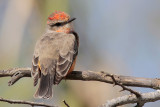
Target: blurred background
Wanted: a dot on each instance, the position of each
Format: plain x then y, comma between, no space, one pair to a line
120,37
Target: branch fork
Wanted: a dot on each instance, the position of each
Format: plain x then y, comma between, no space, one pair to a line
123,81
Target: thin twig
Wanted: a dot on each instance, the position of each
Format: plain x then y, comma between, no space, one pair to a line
25,102
138,95
66,103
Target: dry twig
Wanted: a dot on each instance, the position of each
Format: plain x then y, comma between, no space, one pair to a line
66,103
138,95
25,102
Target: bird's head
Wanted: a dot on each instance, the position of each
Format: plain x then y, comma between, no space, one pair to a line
60,22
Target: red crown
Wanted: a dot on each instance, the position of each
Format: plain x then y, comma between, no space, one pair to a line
57,15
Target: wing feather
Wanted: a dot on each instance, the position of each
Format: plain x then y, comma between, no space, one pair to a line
53,56
67,54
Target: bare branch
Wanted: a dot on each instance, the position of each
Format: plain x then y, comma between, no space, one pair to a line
67,105
125,88
25,102
138,95
128,99
17,73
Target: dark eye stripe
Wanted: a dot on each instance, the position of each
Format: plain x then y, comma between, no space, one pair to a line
58,24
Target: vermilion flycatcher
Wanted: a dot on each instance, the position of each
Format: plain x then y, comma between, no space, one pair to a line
55,53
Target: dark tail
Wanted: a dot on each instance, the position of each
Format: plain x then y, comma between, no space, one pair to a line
45,87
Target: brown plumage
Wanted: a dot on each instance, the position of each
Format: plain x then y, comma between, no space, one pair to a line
54,56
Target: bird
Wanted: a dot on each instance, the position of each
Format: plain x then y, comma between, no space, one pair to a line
55,54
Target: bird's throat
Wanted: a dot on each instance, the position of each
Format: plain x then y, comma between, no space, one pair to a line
64,30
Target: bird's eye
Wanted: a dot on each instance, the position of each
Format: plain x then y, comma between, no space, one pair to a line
57,24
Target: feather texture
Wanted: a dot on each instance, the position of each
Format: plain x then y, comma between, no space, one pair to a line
53,56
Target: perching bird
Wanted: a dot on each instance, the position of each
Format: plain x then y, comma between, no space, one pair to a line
55,53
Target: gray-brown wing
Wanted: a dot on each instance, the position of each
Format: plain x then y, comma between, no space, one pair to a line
44,64
35,72
53,56
45,54
67,54
54,52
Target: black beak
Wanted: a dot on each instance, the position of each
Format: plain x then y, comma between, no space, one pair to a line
69,21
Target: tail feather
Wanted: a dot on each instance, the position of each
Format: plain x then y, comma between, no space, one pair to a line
49,92
45,87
